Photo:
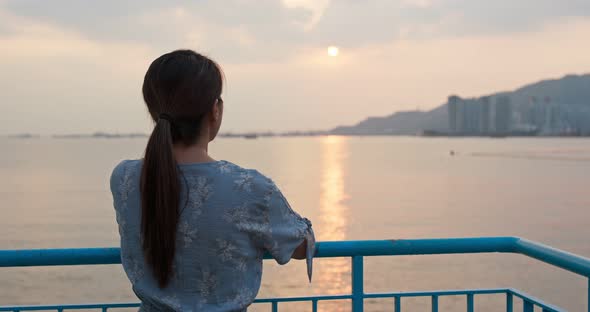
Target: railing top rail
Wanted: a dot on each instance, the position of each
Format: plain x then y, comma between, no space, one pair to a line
556,257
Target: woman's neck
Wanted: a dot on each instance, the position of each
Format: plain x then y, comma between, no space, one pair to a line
197,153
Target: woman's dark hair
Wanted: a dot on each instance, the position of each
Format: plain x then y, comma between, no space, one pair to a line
179,88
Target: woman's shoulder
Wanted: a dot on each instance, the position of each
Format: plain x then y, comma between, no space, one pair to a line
124,170
245,177
125,165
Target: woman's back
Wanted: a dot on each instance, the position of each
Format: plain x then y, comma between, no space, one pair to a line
229,216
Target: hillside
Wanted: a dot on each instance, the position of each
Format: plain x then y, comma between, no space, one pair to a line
571,92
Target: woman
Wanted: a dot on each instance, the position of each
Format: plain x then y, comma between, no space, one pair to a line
193,229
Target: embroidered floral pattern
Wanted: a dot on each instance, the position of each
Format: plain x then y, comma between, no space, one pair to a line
244,181
189,233
126,187
236,214
133,268
207,284
250,219
225,167
241,265
225,250
199,190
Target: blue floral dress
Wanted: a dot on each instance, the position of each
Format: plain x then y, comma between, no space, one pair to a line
229,217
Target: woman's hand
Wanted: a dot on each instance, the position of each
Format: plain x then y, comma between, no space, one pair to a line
300,251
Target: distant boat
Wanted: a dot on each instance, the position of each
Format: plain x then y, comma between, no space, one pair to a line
250,136
23,136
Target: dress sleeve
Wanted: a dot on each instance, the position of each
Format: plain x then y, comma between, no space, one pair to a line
115,180
120,181
287,230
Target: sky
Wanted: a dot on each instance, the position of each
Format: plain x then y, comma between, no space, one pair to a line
70,66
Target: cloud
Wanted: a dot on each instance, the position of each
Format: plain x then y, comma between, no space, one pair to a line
254,31
315,7
72,66
506,16
418,3
54,78
225,27
314,92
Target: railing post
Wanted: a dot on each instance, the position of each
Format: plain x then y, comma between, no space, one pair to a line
527,306
398,304
470,304
357,284
434,303
509,303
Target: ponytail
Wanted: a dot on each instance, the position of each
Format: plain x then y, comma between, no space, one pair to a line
186,85
160,197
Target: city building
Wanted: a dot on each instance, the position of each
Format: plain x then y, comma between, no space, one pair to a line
502,115
484,117
455,122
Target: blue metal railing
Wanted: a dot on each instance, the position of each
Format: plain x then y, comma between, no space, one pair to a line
357,250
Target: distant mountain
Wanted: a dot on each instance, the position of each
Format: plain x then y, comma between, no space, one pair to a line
571,92
100,135
22,136
400,123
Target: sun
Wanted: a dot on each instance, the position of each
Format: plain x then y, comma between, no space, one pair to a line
333,51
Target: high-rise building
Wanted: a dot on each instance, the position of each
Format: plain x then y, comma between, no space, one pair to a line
455,114
503,115
484,117
471,111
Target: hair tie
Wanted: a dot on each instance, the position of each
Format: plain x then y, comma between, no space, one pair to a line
166,117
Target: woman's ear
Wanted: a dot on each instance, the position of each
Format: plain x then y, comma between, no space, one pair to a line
217,111
215,114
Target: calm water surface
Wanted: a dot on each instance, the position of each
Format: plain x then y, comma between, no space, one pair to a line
54,193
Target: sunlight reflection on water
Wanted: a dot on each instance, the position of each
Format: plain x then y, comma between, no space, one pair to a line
334,274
